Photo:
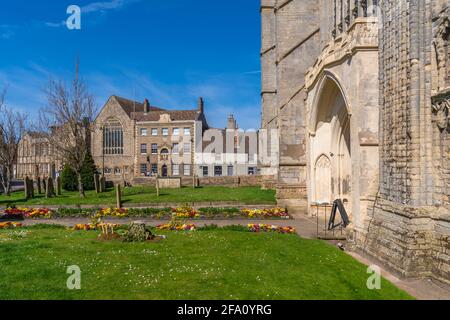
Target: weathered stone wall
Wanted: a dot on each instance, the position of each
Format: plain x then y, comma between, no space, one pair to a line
405,223
268,62
409,229
290,44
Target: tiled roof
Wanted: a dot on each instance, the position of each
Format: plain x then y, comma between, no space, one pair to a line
129,106
135,110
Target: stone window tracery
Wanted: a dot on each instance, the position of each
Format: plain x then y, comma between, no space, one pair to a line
113,137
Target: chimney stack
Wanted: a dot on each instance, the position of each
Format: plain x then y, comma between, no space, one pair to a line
146,106
232,124
201,105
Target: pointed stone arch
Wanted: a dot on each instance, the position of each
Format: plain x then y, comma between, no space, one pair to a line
330,143
328,79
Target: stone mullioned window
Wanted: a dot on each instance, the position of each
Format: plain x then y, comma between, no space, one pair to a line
113,138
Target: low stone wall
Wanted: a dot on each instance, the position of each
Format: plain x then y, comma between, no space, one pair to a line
169,183
266,182
413,242
144,182
243,181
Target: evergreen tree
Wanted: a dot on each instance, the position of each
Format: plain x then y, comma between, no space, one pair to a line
69,179
87,172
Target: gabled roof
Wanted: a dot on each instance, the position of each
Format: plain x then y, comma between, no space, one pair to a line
135,110
129,106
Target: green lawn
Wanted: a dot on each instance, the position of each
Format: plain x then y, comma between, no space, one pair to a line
137,195
215,264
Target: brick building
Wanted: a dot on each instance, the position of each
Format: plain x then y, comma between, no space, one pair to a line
132,140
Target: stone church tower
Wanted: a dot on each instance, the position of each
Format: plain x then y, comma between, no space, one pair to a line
359,93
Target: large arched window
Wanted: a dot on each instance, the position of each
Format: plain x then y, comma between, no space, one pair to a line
112,137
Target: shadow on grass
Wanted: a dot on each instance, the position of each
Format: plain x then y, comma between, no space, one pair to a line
9,203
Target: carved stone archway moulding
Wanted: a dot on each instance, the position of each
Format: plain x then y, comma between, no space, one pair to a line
361,36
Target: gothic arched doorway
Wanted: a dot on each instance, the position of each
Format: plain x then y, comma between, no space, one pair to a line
330,151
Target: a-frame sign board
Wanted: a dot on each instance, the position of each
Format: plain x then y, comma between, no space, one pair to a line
338,205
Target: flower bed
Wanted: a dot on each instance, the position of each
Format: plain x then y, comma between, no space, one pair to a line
112,212
266,213
85,227
22,213
270,228
10,225
185,213
176,226
91,226
97,218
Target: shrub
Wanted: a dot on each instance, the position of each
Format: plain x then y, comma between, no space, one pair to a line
69,179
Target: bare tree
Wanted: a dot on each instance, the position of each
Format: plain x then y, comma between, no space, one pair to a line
67,122
12,128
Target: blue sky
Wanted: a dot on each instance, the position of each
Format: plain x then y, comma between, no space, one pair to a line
169,51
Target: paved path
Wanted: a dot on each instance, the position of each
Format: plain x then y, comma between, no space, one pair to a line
422,289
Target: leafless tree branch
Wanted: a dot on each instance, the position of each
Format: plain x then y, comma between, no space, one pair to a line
66,120
12,129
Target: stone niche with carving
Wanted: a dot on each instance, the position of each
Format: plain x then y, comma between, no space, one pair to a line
441,99
441,50
441,110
